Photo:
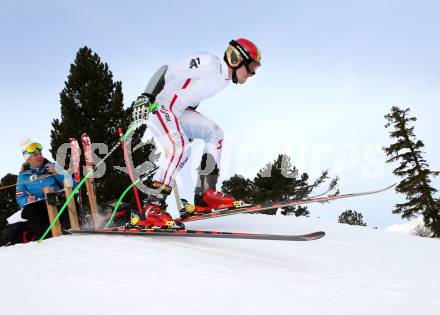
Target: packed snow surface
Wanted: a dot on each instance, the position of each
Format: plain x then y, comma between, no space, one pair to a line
352,270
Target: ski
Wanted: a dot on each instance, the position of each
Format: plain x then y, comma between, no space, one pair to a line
270,206
76,151
87,146
202,234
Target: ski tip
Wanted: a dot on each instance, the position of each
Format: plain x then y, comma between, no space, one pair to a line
314,236
386,188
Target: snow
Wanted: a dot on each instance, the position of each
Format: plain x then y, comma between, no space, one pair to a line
352,270
406,228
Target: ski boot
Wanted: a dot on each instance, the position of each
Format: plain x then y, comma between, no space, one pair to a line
154,215
206,197
212,199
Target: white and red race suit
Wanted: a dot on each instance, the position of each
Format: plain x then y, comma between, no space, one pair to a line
187,83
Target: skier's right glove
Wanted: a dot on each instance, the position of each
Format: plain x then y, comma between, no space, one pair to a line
144,104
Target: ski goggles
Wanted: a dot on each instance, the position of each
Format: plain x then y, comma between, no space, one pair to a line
33,147
237,56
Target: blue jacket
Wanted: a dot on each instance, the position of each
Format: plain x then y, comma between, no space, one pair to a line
32,181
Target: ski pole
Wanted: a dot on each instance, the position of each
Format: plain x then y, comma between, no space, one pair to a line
177,196
130,171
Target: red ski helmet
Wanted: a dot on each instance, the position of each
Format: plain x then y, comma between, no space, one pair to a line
242,51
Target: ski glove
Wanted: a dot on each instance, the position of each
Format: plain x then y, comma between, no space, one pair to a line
143,105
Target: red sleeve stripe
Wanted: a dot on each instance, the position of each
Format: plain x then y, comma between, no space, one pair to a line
186,83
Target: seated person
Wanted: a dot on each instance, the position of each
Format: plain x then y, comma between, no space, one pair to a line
36,174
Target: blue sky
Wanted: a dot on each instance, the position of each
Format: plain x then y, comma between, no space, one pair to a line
330,71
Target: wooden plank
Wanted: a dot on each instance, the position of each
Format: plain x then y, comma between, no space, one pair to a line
73,215
92,202
53,212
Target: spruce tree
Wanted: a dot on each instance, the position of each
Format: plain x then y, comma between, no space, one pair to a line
239,187
276,181
414,170
8,205
92,102
351,217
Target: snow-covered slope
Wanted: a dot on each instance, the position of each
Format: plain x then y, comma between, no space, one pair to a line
352,270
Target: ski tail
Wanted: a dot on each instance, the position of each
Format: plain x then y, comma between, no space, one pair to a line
74,146
87,146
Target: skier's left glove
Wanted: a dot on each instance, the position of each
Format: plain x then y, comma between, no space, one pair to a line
144,104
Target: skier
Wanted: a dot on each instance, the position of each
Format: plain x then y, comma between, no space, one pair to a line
178,89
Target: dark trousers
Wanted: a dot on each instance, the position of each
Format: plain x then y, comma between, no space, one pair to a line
38,219
35,226
15,233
